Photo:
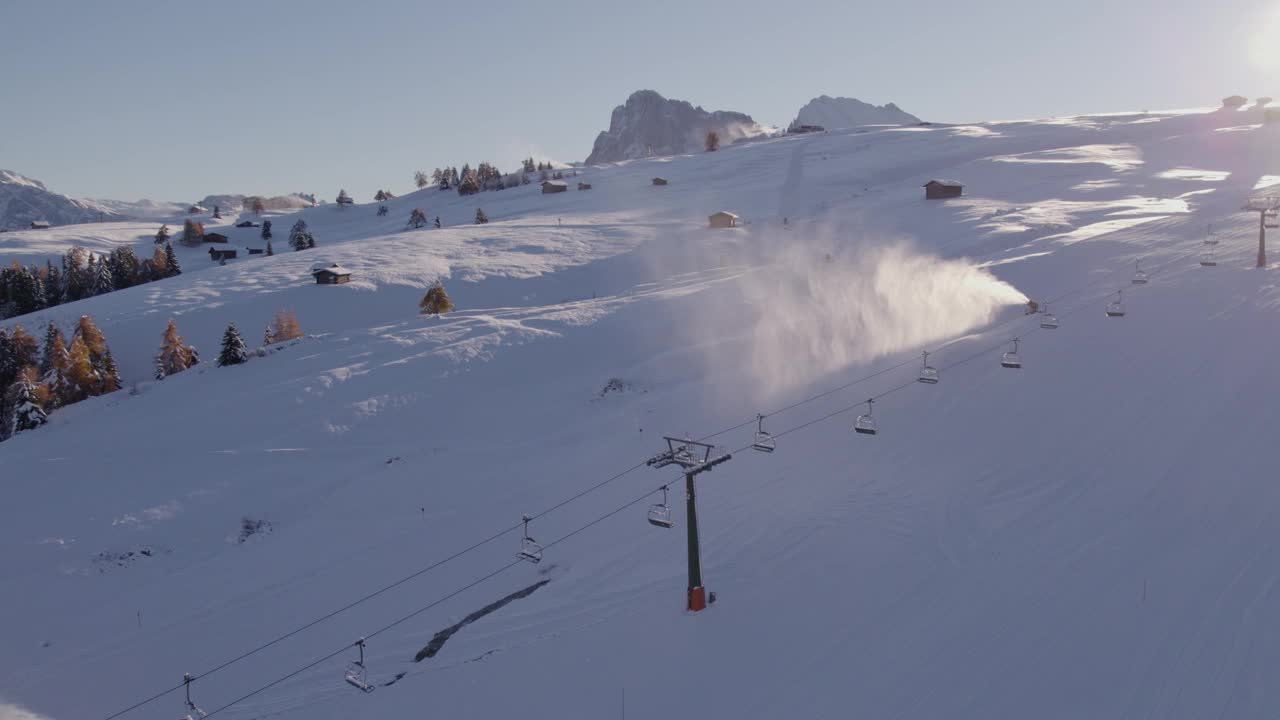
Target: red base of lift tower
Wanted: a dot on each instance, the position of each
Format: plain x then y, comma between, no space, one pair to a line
697,599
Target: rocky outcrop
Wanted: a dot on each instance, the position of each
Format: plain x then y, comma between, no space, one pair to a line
649,124
835,113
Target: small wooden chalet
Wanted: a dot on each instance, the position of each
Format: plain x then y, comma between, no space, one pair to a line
215,238
40,225
584,186
331,275
255,251
723,219
659,181
217,254
942,189
246,224
554,186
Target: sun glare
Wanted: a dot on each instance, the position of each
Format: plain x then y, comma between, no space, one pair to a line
1264,47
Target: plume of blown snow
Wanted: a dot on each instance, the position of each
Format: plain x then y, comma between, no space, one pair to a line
9,711
818,315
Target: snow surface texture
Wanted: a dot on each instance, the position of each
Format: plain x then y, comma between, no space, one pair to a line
840,112
649,124
1092,536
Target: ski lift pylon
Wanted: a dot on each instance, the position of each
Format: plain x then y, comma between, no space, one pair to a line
530,550
764,442
660,514
1011,359
928,373
1116,307
356,675
866,424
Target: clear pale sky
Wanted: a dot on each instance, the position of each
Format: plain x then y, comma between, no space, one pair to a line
175,100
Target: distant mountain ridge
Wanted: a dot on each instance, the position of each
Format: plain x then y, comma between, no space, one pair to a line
650,124
24,200
841,112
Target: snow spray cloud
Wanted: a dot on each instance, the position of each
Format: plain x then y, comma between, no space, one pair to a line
14,712
818,315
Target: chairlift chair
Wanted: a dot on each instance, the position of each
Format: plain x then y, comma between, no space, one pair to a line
1139,275
660,514
1207,259
193,711
530,550
866,424
1011,359
1116,307
928,373
764,441
1048,321
356,675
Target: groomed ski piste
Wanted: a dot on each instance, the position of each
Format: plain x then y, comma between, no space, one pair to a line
1093,535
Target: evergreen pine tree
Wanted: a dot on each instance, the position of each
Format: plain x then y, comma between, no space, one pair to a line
417,218
481,218
102,282
437,222
266,229
217,212
343,199
110,375
124,267
27,413
382,210
162,236
171,261
269,250
420,179
54,367
52,285
233,350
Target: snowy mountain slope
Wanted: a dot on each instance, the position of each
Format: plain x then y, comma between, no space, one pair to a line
842,112
24,201
1089,536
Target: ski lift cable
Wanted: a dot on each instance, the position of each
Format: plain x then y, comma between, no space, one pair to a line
405,618
496,535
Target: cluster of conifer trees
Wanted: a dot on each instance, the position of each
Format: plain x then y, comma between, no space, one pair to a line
81,274
37,379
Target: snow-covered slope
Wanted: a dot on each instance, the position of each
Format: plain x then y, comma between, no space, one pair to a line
1089,536
842,112
649,124
24,201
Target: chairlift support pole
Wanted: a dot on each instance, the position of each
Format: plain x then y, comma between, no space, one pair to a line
1263,206
685,453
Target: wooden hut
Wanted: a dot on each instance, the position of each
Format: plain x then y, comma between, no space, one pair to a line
215,238
39,224
942,189
659,181
584,186
331,275
222,254
723,219
554,186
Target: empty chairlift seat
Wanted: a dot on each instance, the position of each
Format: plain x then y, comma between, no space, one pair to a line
356,675
928,373
530,550
1115,308
1048,320
660,514
1139,275
866,424
764,442
1012,359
